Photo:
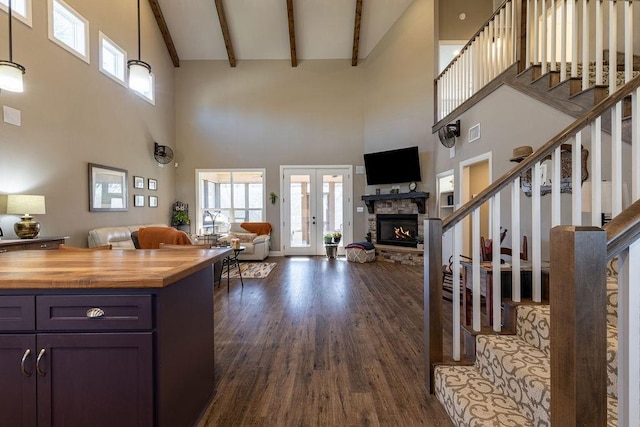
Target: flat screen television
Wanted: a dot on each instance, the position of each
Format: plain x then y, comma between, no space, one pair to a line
393,167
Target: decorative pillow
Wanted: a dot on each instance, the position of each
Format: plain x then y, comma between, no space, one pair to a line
244,237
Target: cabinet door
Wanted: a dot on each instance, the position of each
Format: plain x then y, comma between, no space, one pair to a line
99,379
17,380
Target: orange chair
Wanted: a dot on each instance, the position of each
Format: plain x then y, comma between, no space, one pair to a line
151,237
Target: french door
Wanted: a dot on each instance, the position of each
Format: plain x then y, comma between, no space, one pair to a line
316,200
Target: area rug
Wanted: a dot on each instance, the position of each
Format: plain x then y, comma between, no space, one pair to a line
251,270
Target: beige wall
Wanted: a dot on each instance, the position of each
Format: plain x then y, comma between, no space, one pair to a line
72,115
398,100
452,28
263,114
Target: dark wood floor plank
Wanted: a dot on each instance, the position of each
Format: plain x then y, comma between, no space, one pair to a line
323,343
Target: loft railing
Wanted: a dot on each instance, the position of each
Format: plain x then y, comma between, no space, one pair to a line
487,54
584,133
590,41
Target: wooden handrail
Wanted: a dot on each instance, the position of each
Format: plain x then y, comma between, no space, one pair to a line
542,152
623,230
466,46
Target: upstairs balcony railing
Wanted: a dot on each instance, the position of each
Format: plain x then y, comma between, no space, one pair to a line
591,41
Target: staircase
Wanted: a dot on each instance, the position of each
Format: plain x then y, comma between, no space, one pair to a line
509,383
509,376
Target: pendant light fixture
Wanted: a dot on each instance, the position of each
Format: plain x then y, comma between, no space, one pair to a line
139,71
11,72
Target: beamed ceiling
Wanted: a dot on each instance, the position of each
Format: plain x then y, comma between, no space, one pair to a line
296,30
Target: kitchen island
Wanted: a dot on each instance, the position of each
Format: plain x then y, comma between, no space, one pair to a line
106,338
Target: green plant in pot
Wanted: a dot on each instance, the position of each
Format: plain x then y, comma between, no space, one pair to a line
328,238
180,218
337,236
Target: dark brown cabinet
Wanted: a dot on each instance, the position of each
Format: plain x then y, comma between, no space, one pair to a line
66,371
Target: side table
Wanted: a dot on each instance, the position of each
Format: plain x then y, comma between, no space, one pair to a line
233,259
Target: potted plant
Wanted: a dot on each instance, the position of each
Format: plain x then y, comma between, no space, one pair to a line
337,236
420,241
273,197
328,238
180,219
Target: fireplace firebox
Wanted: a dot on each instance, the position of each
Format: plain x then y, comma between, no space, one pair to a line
397,229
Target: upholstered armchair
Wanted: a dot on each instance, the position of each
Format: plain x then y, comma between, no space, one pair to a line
254,236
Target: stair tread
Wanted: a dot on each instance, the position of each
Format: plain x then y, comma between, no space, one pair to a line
470,399
520,370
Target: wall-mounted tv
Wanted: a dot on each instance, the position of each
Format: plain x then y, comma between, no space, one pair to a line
393,167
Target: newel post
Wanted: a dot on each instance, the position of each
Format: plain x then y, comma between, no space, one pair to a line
432,298
578,326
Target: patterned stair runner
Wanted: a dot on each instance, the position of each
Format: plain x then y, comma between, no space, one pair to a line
509,384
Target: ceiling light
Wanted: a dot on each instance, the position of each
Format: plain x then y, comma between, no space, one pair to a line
462,16
139,71
11,72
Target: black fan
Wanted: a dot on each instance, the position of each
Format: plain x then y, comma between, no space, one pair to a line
162,153
448,134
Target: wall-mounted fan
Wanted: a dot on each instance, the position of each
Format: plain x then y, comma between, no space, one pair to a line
162,153
448,134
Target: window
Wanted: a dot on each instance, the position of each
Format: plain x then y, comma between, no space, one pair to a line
113,59
229,196
69,29
20,9
150,95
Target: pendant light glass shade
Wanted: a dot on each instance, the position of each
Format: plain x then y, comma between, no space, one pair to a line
139,76
11,76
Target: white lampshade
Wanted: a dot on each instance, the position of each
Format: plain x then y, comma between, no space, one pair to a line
139,76
11,76
22,204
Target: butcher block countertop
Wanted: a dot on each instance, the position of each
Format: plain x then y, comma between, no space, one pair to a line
102,269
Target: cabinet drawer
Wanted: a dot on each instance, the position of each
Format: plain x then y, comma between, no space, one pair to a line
39,246
93,312
11,248
17,313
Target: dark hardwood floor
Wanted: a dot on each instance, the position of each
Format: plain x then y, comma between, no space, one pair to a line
322,343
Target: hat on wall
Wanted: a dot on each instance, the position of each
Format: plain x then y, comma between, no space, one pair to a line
519,153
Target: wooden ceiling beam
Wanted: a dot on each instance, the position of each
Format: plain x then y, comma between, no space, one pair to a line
164,30
356,33
292,34
225,32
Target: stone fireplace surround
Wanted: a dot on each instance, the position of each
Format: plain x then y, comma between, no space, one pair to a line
391,253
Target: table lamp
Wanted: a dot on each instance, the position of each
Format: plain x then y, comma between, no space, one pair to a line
22,204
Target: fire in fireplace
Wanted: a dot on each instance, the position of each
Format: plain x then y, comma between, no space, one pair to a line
397,229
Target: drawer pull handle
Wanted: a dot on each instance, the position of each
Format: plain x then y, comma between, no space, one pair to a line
27,353
94,313
38,360
44,245
2,251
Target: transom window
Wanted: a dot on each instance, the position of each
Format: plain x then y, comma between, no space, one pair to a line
229,196
113,59
69,29
20,9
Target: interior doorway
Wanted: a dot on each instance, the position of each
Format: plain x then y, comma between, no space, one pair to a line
475,176
316,200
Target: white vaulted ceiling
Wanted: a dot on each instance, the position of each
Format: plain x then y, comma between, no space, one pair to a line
259,29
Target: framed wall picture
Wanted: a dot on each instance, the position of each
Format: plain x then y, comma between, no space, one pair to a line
138,201
152,184
138,182
153,201
107,189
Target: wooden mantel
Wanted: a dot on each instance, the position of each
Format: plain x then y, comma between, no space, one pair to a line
417,197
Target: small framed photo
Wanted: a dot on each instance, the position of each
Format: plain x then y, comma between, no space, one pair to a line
138,182
153,201
138,201
152,184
